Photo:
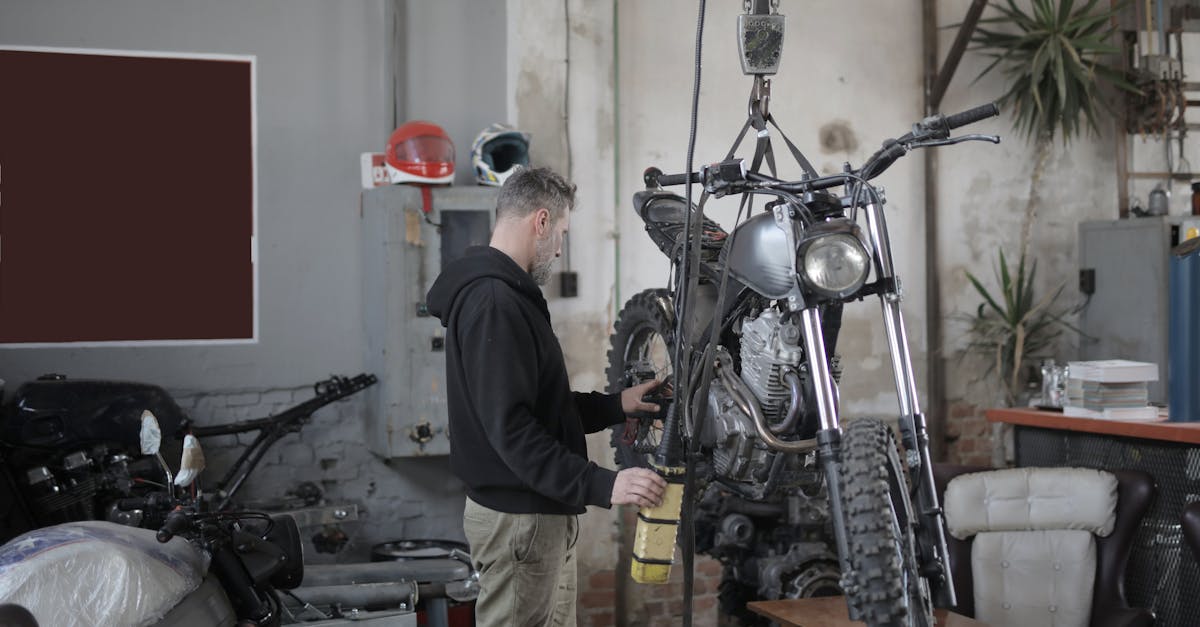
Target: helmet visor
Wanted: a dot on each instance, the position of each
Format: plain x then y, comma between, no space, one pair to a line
425,149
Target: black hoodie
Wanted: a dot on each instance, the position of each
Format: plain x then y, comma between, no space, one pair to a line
516,428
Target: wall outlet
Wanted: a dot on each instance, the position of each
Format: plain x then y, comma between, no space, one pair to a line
568,284
1087,281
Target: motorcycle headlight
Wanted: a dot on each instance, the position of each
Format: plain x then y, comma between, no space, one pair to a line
835,265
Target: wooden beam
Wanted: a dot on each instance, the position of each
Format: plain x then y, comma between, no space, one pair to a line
941,80
935,402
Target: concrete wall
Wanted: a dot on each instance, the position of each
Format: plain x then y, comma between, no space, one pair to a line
323,97
454,73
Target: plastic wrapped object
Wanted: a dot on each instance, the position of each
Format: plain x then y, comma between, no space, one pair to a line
98,573
192,463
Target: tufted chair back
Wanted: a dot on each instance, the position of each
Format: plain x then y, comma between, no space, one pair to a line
1043,546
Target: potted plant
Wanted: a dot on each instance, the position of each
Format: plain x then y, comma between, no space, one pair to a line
1012,328
1053,57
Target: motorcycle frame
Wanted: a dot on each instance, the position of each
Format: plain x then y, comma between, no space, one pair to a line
272,428
926,515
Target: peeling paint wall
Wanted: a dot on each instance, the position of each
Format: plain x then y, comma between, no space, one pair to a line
983,193
840,91
541,95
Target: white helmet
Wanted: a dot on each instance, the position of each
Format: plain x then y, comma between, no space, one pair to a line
497,152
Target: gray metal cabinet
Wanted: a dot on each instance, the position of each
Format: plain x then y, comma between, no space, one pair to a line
1127,315
403,252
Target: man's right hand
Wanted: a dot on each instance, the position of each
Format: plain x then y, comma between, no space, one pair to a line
638,486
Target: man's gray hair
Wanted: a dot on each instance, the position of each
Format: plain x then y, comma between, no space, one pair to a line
530,189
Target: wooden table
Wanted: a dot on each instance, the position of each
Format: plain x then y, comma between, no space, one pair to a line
1181,432
831,612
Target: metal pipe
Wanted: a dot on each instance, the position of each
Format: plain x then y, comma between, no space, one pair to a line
941,81
737,389
797,399
906,389
361,595
818,368
743,398
933,296
429,570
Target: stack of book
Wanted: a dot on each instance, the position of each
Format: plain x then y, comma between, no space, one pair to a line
1113,389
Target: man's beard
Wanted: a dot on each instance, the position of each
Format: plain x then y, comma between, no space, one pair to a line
543,260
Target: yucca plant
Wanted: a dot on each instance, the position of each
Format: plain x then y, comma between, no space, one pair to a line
1054,57
1011,328
1053,54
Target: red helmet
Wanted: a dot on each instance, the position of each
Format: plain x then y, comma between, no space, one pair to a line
419,152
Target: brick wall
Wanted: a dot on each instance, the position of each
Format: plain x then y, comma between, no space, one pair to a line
970,435
403,498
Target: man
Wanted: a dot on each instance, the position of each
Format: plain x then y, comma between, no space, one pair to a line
516,428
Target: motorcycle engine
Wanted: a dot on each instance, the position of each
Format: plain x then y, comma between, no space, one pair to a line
85,484
769,348
74,447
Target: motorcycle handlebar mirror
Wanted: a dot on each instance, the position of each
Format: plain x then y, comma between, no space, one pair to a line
151,434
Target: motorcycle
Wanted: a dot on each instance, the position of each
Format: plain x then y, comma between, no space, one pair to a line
84,458
228,569
793,501
71,449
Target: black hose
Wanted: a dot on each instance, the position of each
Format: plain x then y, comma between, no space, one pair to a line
689,524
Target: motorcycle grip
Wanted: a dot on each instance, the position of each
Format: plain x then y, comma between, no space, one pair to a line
176,521
678,179
970,116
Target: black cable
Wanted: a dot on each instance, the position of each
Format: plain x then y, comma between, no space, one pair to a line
688,543
567,115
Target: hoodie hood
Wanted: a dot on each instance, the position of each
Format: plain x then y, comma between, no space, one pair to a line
480,262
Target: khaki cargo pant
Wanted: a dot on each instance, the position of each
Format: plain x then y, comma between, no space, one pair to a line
526,565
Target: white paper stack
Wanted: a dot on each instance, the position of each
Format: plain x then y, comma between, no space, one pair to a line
1113,389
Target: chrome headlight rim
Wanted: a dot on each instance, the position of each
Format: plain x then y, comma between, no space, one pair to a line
847,239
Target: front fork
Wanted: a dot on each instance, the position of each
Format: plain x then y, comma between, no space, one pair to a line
914,435
930,528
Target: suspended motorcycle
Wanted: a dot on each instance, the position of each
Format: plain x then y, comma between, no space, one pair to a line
745,341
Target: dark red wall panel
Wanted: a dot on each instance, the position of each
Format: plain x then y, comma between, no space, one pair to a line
126,198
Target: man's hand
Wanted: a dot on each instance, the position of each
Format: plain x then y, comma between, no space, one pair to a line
638,486
631,398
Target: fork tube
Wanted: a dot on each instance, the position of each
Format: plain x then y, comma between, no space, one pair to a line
912,421
893,319
829,437
818,367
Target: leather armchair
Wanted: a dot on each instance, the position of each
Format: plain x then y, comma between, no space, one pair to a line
1191,528
1134,491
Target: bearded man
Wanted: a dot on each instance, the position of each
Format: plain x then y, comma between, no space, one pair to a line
516,428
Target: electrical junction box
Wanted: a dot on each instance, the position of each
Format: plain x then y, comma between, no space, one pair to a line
1126,317
404,250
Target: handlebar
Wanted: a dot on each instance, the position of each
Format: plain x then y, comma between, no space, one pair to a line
154,500
177,521
971,116
654,176
932,131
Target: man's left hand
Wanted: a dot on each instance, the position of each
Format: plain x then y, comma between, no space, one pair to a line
631,398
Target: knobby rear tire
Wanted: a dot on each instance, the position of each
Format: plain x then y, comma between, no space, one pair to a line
644,327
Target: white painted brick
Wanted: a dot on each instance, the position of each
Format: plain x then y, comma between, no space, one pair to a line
277,397
243,398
